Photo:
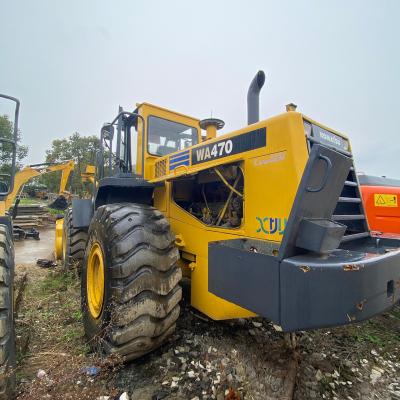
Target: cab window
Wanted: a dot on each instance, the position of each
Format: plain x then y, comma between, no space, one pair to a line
166,137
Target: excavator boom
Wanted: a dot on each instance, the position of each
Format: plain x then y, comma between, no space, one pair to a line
31,171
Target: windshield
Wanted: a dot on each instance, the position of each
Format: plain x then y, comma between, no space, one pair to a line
166,137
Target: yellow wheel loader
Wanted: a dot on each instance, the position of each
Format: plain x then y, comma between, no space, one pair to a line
7,333
266,220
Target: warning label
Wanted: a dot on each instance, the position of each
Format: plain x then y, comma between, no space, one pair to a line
385,200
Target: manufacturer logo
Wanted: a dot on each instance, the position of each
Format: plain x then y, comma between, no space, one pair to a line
272,225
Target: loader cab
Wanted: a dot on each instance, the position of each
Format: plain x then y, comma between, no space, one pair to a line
141,137
131,145
165,132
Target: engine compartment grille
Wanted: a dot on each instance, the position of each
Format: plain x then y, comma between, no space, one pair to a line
161,168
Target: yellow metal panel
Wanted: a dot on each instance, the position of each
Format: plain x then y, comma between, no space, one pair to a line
160,199
58,245
196,242
271,180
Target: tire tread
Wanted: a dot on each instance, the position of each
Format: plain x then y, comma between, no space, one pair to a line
144,283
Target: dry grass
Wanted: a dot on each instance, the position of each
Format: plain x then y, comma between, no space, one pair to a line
50,337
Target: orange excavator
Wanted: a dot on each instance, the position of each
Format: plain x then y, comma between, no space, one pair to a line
381,198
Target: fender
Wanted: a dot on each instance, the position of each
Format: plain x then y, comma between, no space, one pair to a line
82,213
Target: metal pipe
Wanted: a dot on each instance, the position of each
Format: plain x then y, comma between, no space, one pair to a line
134,114
119,129
223,211
253,98
227,183
110,158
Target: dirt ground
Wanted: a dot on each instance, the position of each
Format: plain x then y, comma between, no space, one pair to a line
242,359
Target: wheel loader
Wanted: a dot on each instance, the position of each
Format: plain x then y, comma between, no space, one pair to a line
266,220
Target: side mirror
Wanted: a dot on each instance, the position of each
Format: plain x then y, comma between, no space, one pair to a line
107,132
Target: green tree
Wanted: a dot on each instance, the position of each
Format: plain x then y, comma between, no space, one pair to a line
6,131
81,149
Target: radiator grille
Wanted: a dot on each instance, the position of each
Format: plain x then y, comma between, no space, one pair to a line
161,167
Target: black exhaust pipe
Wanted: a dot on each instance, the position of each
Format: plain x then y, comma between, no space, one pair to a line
253,98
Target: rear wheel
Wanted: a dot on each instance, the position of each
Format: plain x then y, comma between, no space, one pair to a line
7,333
73,243
130,280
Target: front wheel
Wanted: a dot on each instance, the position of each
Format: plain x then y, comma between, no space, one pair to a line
130,280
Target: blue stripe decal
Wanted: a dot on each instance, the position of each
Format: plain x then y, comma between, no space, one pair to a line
172,167
179,157
179,161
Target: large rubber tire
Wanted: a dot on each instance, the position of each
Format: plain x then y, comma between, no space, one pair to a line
7,332
141,280
75,243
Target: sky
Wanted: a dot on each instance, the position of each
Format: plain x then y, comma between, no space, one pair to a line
71,63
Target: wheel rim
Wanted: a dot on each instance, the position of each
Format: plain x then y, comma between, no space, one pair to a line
95,280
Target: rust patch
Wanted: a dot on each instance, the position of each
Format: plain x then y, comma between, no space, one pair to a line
305,268
360,305
351,267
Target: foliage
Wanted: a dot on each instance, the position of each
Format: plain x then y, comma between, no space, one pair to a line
81,149
6,131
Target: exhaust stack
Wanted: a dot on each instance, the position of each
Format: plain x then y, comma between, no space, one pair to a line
253,98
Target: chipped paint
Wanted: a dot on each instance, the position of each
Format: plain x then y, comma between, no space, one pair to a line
305,268
360,305
351,267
